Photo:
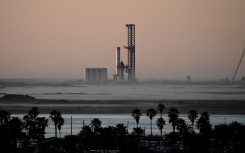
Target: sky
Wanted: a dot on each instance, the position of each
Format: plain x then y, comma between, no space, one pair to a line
174,38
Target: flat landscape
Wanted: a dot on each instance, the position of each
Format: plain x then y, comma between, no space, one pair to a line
124,106
76,97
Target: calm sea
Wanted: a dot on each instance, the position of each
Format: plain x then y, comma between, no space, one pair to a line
76,90
124,91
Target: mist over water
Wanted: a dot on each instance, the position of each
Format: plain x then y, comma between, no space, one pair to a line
78,90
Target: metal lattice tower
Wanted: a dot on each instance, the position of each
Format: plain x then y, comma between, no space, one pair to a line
131,51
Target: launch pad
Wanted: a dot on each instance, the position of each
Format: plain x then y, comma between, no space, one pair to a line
121,68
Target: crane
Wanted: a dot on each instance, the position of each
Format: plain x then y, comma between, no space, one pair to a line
233,78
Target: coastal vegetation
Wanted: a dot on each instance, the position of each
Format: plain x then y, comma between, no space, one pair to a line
28,134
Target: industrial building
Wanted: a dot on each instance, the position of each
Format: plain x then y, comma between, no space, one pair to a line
98,75
95,75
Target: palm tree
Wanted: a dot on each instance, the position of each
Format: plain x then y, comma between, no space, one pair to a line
121,130
151,113
203,123
95,124
160,124
184,131
60,124
35,125
57,119
14,132
161,107
33,113
86,137
121,136
173,115
138,131
182,127
4,117
42,123
136,113
30,122
192,115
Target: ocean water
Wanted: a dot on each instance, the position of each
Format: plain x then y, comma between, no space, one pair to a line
128,121
125,91
77,90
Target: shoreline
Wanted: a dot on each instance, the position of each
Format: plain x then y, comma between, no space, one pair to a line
226,107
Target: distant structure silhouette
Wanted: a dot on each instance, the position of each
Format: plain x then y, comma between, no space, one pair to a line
130,67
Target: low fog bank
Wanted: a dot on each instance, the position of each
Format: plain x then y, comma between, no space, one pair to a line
78,82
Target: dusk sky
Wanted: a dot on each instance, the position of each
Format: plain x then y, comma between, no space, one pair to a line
174,38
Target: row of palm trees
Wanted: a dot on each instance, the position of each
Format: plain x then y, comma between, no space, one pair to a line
30,129
229,138
32,122
222,138
173,115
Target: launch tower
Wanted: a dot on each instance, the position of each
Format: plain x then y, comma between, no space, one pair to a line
131,51
130,67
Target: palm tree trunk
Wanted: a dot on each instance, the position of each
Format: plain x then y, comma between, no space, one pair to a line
173,127
55,130
151,127
161,132
192,127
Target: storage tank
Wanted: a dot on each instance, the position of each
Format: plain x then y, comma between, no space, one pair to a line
92,75
103,74
87,74
97,75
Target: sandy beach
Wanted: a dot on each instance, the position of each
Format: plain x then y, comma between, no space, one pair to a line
124,106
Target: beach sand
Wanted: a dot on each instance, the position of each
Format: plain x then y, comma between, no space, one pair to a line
124,106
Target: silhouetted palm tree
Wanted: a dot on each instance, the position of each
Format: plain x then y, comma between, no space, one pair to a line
184,133
151,113
121,130
42,123
205,128
15,132
182,127
160,108
138,131
86,137
35,125
15,125
192,115
173,115
57,119
95,124
30,122
4,117
136,113
33,113
203,123
60,124
160,124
